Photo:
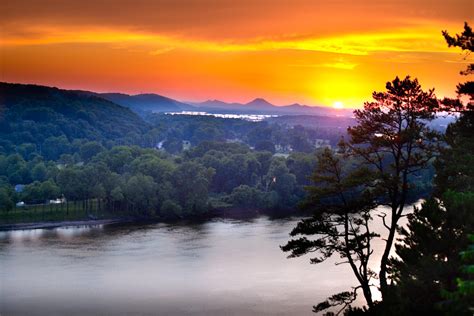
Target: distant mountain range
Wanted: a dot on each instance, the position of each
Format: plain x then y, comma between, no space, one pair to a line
150,102
262,106
142,103
121,109
291,114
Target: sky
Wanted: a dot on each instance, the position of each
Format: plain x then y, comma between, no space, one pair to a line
331,53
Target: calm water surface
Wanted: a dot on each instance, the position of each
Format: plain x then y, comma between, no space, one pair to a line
222,267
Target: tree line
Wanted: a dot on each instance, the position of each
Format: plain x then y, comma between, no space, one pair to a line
147,182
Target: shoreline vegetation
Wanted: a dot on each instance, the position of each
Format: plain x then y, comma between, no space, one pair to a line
81,218
225,213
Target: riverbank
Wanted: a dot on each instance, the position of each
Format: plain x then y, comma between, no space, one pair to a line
235,213
51,225
230,213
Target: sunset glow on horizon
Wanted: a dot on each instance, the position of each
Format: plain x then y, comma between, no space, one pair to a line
310,52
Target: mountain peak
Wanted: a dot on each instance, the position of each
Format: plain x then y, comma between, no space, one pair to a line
259,102
213,101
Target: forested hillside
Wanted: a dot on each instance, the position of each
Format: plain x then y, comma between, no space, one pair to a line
48,120
144,103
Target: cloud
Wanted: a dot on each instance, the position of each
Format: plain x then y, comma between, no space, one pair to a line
160,51
340,65
337,64
225,19
419,39
232,49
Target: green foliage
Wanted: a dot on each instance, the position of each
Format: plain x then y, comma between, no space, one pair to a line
101,156
428,256
302,165
39,172
173,146
455,164
49,120
141,193
39,192
6,198
280,180
265,145
94,150
192,182
341,204
460,301
248,197
116,194
171,130
171,209
90,149
151,183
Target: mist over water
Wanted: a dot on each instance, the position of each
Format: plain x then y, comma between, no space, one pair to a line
229,267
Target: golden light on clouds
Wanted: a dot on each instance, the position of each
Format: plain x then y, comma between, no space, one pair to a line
405,40
311,52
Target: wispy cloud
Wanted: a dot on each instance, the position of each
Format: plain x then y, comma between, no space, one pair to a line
402,40
337,64
340,65
160,51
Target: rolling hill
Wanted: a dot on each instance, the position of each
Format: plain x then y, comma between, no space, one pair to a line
148,102
33,114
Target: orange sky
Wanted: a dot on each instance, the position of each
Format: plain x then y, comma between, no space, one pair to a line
311,52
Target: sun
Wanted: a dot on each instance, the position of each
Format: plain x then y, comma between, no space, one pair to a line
338,105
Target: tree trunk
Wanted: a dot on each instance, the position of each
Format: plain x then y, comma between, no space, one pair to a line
361,278
368,295
386,255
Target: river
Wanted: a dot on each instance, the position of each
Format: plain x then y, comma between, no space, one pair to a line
220,267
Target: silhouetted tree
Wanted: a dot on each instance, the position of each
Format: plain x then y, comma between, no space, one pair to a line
390,142
393,140
466,43
428,267
428,255
341,202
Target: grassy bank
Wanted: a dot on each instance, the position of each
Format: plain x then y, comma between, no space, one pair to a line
57,212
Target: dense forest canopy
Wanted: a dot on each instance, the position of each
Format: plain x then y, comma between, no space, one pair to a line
78,146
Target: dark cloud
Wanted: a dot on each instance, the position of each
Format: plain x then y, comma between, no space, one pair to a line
229,18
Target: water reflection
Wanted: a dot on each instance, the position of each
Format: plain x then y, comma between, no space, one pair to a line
219,267
63,233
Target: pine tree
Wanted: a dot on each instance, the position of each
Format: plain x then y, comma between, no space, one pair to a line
430,275
340,202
